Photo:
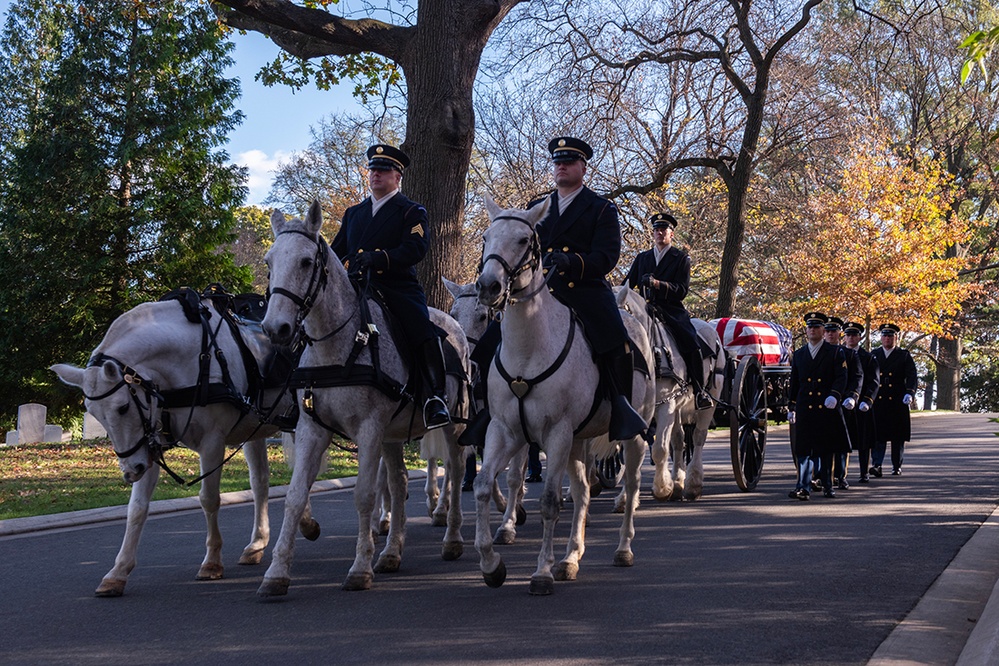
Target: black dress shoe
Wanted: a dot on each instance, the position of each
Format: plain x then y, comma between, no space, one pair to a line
842,484
804,495
829,492
466,487
897,471
793,494
534,478
865,479
876,471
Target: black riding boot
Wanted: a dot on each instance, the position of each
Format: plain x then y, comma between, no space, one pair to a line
695,373
625,422
475,432
435,412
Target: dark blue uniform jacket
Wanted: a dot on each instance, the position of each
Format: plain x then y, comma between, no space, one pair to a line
818,430
898,377
674,269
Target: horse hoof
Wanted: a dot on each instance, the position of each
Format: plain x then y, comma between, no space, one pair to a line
252,556
388,564
505,537
452,551
690,496
274,587
521,514
497,577
565,571
210,572
596,489
438,519
110,587
357,582
541,586
624,558
309,529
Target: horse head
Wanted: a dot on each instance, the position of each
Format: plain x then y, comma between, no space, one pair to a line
299,266
471,315
511,253
125,403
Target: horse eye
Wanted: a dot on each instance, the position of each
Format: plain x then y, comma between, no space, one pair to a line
306,263
522,241
482,317
123,409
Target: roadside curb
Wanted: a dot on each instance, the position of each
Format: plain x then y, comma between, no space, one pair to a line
14,526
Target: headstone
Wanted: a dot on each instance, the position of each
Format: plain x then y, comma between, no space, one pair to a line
53,433
92,428
31,423
11,438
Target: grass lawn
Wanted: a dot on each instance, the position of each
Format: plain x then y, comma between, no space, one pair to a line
39,479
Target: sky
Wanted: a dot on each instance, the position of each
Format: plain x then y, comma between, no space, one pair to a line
277,120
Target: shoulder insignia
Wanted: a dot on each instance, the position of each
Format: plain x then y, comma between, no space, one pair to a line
417,229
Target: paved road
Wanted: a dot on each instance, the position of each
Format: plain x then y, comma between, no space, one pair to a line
733,578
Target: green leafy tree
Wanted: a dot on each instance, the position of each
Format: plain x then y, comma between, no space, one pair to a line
117,188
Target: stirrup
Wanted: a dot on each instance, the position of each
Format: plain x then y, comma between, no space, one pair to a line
702,400
435,414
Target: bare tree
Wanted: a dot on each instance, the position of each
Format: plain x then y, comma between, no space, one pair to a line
439,55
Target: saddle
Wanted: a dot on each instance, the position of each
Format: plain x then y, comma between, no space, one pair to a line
663,354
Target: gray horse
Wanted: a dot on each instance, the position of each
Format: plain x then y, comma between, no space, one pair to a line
310,288
539,342
151,350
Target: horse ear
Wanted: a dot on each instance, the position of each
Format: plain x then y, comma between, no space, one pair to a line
541,210
277,221
452,287
314,218
491,208
69,374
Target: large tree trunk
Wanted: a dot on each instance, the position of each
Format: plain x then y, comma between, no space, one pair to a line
949,374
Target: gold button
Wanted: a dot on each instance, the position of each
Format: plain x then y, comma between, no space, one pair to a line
565,249
545,271
549,250
571,285
809,379
360,251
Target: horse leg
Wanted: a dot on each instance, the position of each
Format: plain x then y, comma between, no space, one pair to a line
514,513
557,449
431,488
501,444
113,583
255,452
662,481
634,455
454,544
369,447
695,470
310,447
390,559
212,453
383,500
579,482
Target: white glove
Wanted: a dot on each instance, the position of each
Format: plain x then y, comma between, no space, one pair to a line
830,402
791,418
864,406
907,398
849,403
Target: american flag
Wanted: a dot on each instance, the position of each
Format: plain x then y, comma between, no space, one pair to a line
767,341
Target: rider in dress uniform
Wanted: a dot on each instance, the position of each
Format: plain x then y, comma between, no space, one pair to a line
818,380
581,243
891,409
860,422
662,274
382,239
854,380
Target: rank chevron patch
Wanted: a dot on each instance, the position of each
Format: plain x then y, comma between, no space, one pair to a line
417,229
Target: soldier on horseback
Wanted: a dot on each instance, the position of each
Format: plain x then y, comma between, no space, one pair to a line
662,275
383,238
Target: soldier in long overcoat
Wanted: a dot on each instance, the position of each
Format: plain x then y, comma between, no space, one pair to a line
854,380
662,275
860,421
818,380
892,407
382,239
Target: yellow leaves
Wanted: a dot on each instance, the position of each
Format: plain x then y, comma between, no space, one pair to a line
875,244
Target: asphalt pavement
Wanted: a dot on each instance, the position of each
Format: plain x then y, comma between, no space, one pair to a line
956,620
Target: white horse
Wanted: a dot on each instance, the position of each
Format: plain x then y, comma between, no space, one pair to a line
675,407
539,340
310,287
153,351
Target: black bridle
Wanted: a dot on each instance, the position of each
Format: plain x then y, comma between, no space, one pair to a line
530,261
131,379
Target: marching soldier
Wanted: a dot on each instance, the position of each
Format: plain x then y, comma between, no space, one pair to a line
818,381
860,422
382,239
854,380
663,276
892,406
